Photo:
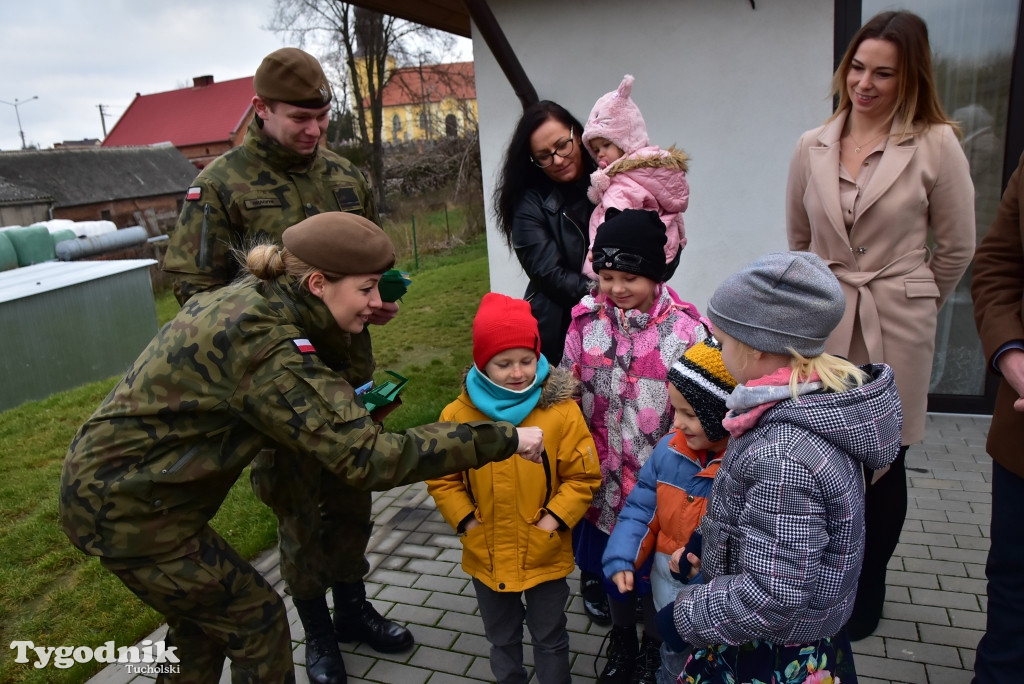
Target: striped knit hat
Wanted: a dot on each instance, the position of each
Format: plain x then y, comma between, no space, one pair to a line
701,377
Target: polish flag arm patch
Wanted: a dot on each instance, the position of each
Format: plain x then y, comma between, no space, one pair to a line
194,193
304,346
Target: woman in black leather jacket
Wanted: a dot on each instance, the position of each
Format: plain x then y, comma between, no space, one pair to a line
543,213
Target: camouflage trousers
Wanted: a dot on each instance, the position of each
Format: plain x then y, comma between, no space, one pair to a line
216,606
323,525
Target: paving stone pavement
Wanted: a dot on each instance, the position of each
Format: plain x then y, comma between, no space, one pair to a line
933,618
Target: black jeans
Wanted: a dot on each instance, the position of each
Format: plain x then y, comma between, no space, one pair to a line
1000,654
885,510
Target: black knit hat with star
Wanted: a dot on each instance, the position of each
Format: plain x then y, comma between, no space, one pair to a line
637,236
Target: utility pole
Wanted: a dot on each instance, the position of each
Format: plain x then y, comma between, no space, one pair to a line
103,119
18,115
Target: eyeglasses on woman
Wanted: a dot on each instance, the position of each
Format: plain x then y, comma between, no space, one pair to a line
563,150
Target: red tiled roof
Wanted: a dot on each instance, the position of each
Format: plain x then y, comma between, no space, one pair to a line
189,116
439,82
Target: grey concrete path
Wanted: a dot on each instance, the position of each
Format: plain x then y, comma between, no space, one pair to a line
935,601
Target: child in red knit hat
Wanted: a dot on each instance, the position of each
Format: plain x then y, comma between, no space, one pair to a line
515,517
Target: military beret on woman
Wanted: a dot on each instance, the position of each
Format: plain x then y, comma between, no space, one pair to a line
338,242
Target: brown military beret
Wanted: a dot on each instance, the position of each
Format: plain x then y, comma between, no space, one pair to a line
340,243
293,76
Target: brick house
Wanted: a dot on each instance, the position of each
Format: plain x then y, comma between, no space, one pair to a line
127,185
21,205
429,102
203,121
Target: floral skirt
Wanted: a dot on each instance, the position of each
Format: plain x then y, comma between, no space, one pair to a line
827,661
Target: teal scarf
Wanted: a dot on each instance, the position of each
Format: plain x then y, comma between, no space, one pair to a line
498,403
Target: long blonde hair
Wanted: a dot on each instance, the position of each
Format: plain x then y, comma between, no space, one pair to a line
917,100
835,374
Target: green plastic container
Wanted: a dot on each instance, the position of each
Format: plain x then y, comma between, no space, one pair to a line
8,257
62,235
32,244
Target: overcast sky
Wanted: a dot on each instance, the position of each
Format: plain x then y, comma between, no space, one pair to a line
75,55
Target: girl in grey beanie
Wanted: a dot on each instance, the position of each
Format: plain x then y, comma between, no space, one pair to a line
784,530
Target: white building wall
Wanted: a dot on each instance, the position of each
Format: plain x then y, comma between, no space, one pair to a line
732,86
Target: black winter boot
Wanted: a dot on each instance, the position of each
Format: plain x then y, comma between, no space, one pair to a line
595,600
323,658
621,655
648,662
355,619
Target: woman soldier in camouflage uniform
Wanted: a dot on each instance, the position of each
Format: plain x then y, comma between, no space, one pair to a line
278,176
238,372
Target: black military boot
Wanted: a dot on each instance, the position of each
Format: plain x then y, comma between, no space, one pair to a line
323,658
595,600
355,619
648,661
621,655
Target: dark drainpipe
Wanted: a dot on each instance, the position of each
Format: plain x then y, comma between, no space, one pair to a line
492,34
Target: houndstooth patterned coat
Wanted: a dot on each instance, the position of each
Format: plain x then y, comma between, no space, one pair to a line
784,531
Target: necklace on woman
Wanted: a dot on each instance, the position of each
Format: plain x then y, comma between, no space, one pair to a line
858,145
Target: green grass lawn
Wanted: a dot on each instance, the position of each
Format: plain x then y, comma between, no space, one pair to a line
53,595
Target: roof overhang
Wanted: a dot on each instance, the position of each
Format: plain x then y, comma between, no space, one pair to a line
454,16
447,15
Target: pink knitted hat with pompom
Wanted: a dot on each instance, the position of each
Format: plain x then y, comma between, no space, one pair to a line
618,119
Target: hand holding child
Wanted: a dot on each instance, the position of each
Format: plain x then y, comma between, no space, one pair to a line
692,559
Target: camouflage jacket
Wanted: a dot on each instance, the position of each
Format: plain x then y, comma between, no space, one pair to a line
253,193
231,375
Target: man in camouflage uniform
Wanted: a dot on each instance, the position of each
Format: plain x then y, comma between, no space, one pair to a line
237,372
277,177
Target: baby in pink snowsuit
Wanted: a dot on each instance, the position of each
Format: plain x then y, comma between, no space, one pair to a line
632,173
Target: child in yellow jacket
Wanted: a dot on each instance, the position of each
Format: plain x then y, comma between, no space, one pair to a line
515,517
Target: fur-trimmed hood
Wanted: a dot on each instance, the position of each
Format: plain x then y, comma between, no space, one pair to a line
649,174
557,387
651,158
650,178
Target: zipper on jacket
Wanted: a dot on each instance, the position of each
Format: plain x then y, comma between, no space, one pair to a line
190,455
547,481
547,476
181,462
586,239
469,487
204,238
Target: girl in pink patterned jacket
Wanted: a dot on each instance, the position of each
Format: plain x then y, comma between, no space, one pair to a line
632,173
621,343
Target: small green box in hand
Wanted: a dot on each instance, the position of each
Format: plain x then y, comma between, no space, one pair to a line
393,284
384,393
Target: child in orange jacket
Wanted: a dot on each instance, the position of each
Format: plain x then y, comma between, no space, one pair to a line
670,496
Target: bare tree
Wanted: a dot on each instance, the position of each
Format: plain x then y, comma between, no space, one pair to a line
442,90
356,43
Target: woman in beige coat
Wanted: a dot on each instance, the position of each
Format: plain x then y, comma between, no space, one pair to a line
882,191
